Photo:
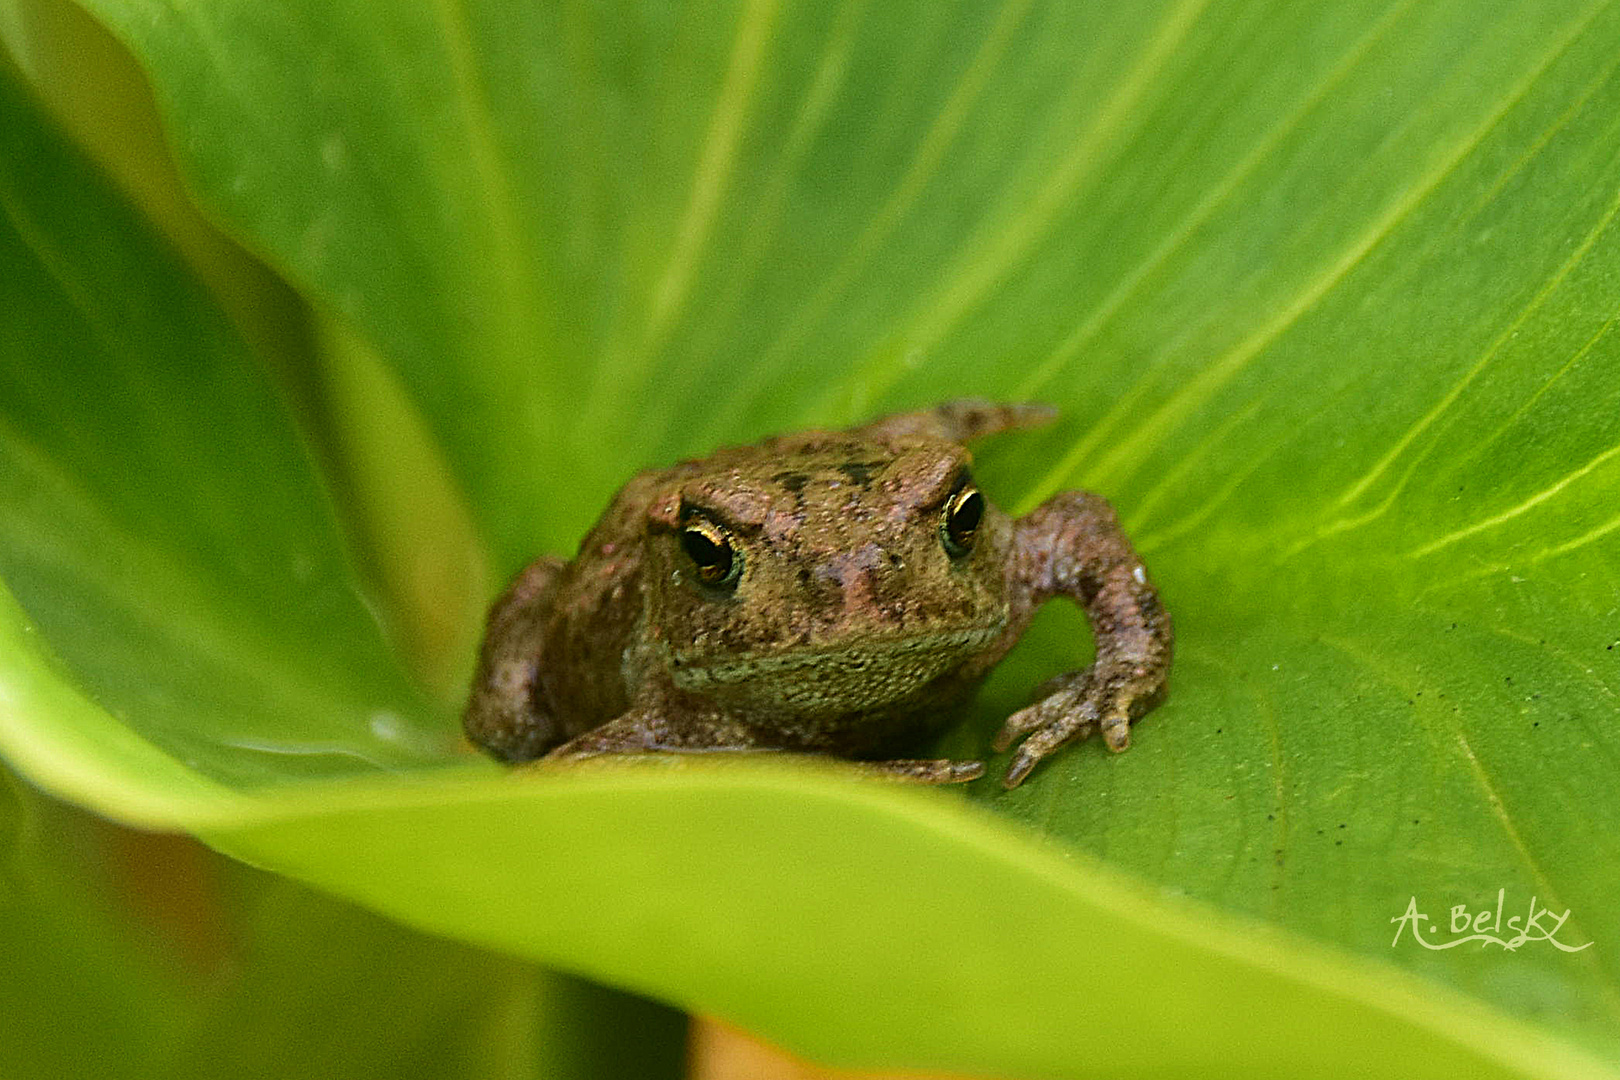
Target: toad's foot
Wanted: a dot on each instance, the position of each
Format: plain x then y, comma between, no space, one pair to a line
648,731
926,770
1073,706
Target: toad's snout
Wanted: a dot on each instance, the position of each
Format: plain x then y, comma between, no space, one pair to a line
850,580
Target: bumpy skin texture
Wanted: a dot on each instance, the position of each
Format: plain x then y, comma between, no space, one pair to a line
839,593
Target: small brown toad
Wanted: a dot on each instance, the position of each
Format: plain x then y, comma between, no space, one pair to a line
832,592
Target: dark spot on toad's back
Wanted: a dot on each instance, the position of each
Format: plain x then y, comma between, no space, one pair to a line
860,473
792,481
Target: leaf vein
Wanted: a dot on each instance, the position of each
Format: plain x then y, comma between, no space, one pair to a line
977,273
1401,444
716,162
512,273
942,132
1507,515
1494,803
1202,387
1217,197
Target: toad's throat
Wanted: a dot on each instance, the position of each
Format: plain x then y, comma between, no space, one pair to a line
840,677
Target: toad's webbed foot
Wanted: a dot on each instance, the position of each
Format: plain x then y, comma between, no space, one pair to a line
1074,706
647,731
926,770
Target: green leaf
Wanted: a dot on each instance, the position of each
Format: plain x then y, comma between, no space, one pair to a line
324,988
268,985
82,996
1326,293
162,519
167,542
946,940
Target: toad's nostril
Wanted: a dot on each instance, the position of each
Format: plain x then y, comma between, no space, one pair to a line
858,567
850,579
832,572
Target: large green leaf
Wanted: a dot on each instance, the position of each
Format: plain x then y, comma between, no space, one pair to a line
163,528
321,988
81,995
1325,293
267,983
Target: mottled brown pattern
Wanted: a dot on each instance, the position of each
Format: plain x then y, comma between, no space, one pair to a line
834,614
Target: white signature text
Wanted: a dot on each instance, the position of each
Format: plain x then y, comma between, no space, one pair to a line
1485,926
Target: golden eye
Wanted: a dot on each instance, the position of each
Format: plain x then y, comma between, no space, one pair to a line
959,522
709,548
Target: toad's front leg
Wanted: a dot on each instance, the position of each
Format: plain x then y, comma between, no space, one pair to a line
1072,546
652,727
506,713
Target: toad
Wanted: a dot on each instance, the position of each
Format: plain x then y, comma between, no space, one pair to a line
829,592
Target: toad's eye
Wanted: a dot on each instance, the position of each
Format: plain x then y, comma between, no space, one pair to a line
959,522
709,548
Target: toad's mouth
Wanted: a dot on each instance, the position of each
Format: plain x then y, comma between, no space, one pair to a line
836,676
